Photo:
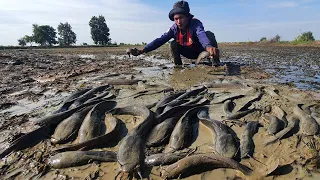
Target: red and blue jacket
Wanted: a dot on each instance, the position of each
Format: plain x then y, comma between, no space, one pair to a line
194,34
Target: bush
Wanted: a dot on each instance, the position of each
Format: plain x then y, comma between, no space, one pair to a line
275,39
305,37
22,42
263,39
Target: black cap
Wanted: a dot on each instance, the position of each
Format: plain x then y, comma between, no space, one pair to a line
180,7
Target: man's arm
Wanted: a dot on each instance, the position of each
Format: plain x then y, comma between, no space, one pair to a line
159,41
201,34
204,40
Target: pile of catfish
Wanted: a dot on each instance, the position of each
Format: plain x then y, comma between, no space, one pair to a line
88,119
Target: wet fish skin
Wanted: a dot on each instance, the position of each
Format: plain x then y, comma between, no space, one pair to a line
91,126
194,92
69,127
279,113
293,122
160,134
224,143
225,97
114,130
186,166
131,51
308,125
202,55
239,114
173,103
76,94
183,131
165,158
228,106
315,114
246,143
101,96
176,111
130,154
89,94
55,119
253,95
64,107
194,101
226,86
166,99
78,158
275,124
69,100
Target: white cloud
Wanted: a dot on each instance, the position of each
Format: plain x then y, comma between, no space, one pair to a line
131,21
128,20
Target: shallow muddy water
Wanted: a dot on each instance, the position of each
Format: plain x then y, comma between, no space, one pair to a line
294,66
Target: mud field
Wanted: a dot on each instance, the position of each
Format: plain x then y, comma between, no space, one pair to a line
277,87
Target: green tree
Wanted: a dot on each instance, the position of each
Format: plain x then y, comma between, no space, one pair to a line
44,35
29,39
305,37
22,42
99,30
263,39
275,39
67,36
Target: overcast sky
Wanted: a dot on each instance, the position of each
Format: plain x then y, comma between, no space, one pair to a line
136,21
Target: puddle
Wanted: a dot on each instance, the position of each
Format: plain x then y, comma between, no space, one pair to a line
302,77
25,106
87,56
297,73
296,76
156,60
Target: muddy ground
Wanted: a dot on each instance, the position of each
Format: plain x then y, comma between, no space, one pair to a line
35,82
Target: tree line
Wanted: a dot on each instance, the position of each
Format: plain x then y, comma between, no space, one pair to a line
46,35
302,38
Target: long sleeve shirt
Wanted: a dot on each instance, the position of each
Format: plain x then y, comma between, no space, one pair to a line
195,28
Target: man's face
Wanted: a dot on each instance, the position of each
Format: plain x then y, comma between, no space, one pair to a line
181,20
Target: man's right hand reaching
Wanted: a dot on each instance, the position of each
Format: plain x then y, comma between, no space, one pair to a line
134,52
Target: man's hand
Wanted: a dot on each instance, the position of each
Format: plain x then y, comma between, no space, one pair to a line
214,52
136,52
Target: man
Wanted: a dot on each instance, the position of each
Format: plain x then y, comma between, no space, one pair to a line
189,36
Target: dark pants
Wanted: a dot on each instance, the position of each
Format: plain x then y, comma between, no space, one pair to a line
190,52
